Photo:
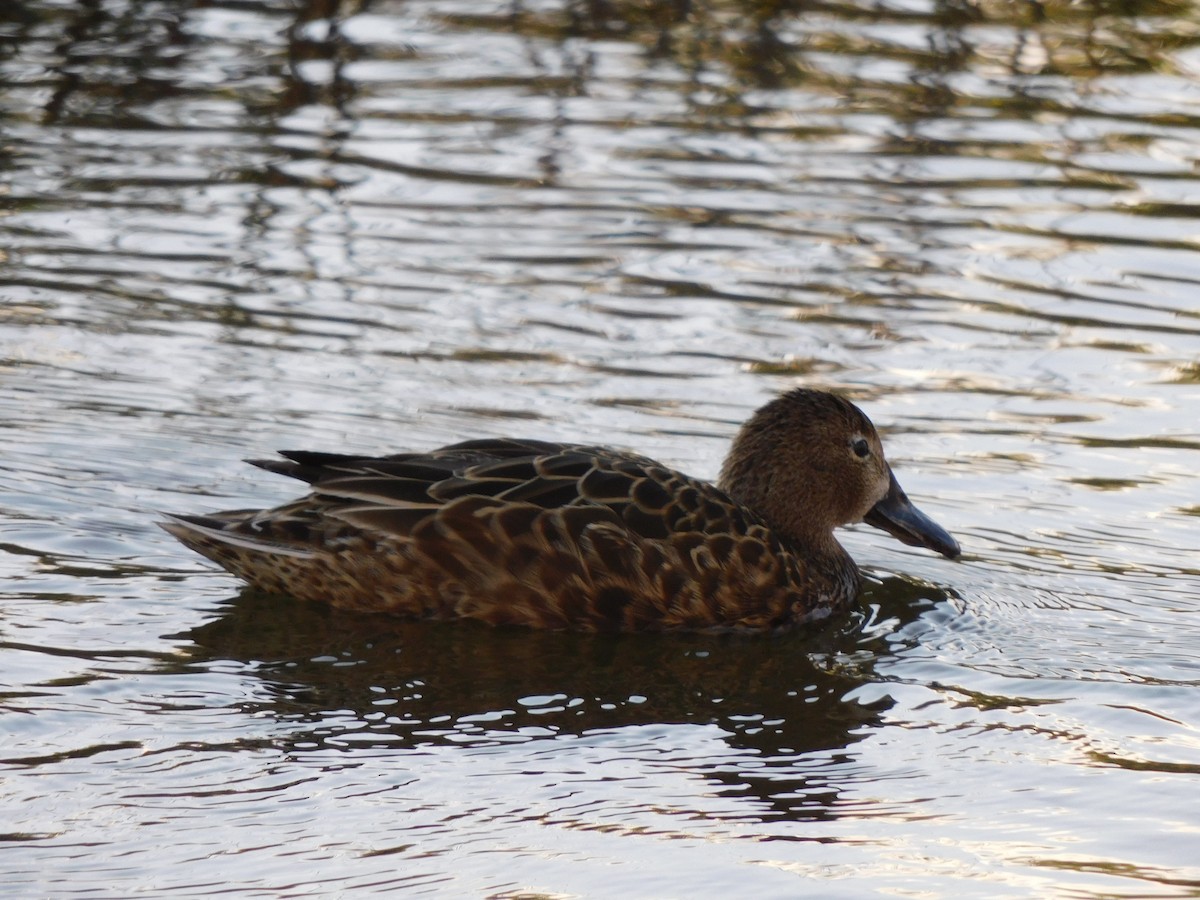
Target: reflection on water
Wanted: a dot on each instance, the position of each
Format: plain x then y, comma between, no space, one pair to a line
231,227
483,682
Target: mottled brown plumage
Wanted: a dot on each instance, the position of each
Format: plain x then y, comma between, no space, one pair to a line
565,536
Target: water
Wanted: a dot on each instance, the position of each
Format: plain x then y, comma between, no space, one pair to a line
227,228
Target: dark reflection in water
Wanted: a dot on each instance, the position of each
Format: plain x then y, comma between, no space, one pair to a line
107,60
351,682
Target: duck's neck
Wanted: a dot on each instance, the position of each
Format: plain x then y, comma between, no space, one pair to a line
794,518
821,572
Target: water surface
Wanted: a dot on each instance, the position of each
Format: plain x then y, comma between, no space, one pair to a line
227,228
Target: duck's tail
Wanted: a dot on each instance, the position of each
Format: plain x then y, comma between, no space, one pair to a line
238,550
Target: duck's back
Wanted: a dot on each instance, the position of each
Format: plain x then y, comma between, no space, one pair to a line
521,532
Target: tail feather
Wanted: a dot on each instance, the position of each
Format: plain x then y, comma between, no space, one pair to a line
210,536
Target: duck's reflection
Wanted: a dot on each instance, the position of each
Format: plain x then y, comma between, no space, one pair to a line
787,708
333,673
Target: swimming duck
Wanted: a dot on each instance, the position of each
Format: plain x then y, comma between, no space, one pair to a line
567,536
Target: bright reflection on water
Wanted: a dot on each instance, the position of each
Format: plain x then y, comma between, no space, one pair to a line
231,227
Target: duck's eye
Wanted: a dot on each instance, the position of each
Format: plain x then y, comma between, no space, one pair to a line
861,448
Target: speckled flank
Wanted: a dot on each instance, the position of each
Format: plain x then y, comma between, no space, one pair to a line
560,536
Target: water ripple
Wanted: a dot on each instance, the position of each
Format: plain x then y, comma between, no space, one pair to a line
231,228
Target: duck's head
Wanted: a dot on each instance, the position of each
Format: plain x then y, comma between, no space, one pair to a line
810,461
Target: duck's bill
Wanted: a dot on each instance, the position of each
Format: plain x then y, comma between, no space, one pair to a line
903,521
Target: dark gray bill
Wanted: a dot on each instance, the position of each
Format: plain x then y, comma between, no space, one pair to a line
903,521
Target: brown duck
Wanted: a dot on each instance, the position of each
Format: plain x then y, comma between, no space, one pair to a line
567,536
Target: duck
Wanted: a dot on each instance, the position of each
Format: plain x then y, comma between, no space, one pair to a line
569,536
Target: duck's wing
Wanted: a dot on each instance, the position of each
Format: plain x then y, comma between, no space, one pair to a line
393,495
